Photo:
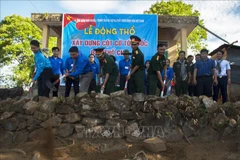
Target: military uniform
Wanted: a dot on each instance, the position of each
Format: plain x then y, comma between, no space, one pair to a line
136,82
181,85
157,63
108,66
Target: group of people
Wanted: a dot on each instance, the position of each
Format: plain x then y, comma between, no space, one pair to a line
205,77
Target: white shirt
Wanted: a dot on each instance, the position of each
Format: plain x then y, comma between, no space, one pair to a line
224,67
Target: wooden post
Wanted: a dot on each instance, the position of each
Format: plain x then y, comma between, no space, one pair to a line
59,45
45,37
183,38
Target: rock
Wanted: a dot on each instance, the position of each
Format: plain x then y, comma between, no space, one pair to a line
103,102
120,93
173,133
64,109
93,132
48,106
152,98
83,97
158,105
134,139
54,122
6,104
6,115
79,128
188,130
129,115
130,128
38,134
227,131
205,120
154,144
112,146
208,134
30,107
120,104
22,125
172,99
6,138
221,121
196,101
117,123
10,124
138,97
18,105
89,114
232,123
108,115
40,116
72,118
91,122
33,123
20,137
11,92
65,130
86,107
209,104
69,100
42,99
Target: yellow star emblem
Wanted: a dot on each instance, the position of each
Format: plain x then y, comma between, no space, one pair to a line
136,52
69,18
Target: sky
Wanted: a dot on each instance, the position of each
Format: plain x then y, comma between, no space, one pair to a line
221,17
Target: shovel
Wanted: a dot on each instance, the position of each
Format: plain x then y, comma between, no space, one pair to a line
163,88
126,83
51,85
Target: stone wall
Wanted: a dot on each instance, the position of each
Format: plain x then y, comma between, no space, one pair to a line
134,118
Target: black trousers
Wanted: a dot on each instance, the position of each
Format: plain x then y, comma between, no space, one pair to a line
69,82
222,84
136,82
191,90
45,76
122,82
54,78
204,85
92,86
181,87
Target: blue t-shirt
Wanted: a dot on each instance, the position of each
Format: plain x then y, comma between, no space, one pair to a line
169,73
57,65
83,66
41,62
95,69
124,66
204,68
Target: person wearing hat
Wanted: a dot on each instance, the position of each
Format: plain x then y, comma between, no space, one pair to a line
81,69
136,77
157,65
124,65
109,69
44,69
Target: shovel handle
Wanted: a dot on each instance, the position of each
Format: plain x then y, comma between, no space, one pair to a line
163,88
126,83
58,80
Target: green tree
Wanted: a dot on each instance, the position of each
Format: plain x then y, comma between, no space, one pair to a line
179,8
16,32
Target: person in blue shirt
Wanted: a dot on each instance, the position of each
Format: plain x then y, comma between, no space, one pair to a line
124,65
169,78
80,69
57,68
204,71
96,71
43,69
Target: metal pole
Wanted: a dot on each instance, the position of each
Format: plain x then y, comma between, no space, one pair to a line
213,33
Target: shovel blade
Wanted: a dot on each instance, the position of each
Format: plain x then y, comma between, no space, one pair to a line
51,86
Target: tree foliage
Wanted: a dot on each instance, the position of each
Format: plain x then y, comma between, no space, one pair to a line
16,32
179,8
